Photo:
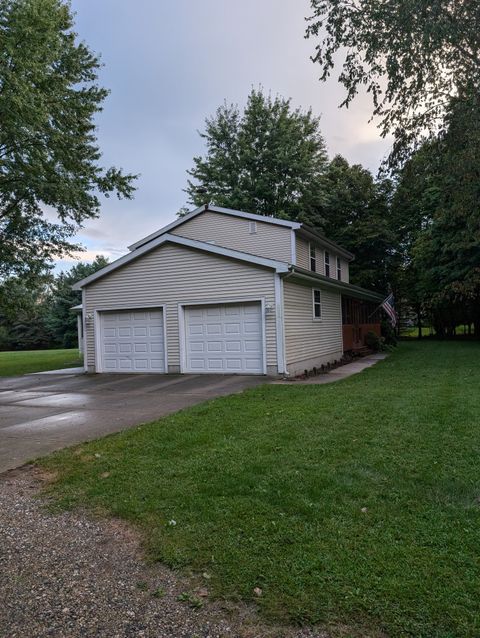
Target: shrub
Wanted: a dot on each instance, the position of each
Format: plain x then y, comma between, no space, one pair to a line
388,333
373,341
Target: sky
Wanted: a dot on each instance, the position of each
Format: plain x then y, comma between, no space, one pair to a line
168,65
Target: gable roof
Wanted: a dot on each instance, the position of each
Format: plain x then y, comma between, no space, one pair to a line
309,232
277,266
213,209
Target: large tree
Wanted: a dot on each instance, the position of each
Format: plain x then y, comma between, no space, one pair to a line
354,211
266,159
51,178
413,56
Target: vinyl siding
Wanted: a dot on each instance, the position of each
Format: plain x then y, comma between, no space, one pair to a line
169,275
303,259
308,339
269,241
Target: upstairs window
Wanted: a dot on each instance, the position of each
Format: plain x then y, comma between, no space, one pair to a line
339,269
252,228
327,264
317,304
313,257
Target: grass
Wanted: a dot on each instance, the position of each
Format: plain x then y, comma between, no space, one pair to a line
25,361
353,504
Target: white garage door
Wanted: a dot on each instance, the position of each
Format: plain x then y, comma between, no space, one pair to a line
224,339
132,341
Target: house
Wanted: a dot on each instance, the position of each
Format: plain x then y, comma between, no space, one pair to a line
223,291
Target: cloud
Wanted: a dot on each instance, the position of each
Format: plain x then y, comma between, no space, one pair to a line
169,66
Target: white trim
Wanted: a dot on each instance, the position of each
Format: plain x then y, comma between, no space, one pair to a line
80,333
279,266
213,209
280,324
217,302
293,246
325,253
310,246
97,329
85,344
181,338
339,268
314,303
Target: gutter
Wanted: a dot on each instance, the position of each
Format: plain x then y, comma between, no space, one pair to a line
340,286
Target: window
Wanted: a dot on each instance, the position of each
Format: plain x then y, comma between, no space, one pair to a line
339,269
313,257
317,304
327,264
252,228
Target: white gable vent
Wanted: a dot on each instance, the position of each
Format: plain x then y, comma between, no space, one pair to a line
252,228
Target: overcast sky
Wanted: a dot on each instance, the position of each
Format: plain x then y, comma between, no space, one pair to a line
171,63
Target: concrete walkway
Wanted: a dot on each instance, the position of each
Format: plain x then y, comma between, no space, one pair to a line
62,371
337,374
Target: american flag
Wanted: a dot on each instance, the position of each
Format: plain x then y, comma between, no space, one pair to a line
389,306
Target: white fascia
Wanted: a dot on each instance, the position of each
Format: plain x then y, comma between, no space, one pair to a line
280,324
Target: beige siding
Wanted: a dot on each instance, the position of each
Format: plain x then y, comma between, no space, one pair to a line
344,269
273,242
301,247
174,274
310,342
303,255
303,259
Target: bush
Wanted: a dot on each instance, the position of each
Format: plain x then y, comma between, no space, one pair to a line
373,341
388,334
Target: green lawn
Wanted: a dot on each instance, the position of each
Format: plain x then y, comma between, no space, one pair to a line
355,504
25,361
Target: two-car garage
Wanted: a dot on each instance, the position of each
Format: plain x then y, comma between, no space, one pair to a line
214,338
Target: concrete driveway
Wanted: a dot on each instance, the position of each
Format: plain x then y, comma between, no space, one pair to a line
43,413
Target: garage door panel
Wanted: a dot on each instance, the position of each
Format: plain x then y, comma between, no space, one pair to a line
252,364
233,346
224,338
132,341
252,346
124,348
251,327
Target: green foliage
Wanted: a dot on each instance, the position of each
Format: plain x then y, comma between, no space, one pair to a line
267,159
412,56
420,61
352,504
438,193
42,317
355,212
388,334
49,158
60,321
373,341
